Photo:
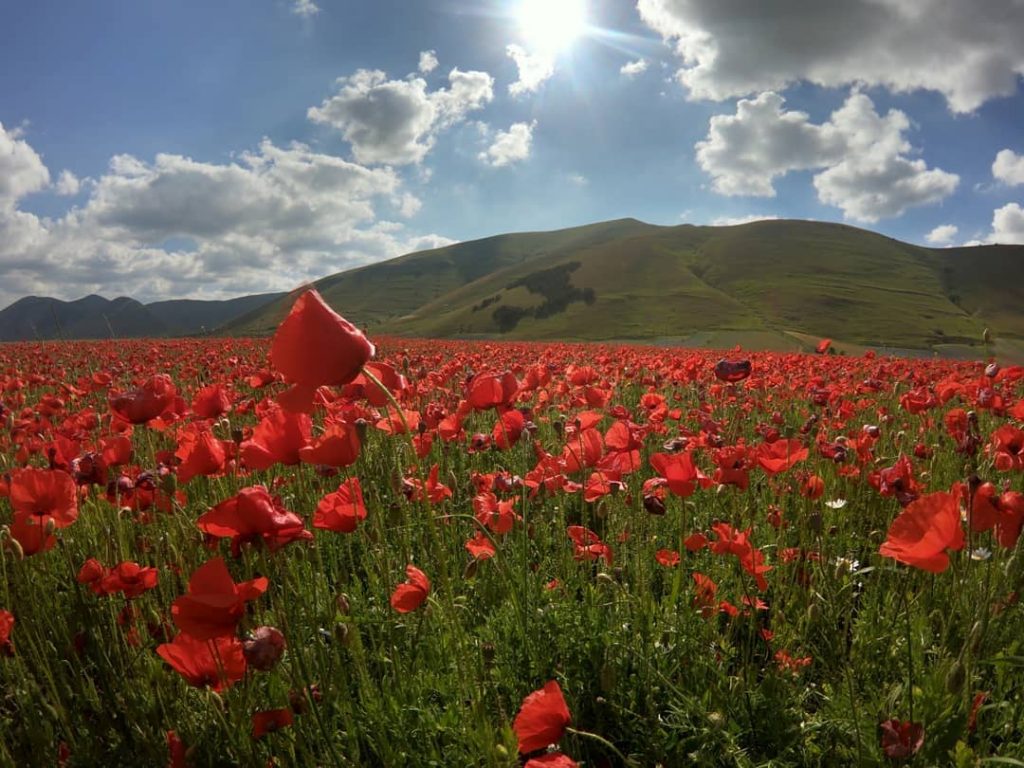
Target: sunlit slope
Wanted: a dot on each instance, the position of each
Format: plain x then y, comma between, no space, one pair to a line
628,280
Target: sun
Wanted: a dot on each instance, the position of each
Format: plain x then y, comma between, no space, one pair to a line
552,26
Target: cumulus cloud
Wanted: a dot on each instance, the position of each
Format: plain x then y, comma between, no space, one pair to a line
1008,225
511,146
1008,167
968,52
428,61
534,69
22,171
633,68
307,9
944,234
68,185
273,218
395,122
862,156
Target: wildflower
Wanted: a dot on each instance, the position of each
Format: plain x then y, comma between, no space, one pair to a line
342,510
214,603
923,531
217,663
542,718
411,595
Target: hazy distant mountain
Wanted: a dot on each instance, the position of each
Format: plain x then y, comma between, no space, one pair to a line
776,284
94,317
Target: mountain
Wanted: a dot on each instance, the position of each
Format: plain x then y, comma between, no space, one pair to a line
775,284
94,317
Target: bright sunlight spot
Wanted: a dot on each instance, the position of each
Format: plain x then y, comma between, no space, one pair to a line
552,25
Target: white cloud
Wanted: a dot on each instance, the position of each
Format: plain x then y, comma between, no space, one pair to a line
307,9
633,68
270,220
1008,225
396,121
1009,167
968,52
511,146
409,205
944,234
428,61
861,156
578,180
732,221
22,171
68,185
534,69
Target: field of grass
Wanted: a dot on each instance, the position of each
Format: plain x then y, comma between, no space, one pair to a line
817,565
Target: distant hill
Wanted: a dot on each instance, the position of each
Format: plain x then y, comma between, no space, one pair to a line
778,283
94,317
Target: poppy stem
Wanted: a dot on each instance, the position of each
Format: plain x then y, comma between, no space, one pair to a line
602,741
910,649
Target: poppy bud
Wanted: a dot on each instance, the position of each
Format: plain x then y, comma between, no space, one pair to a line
471,569
974,639
607,678
264,649
15,548
654,505
237,436
488,651
992,370
343,634
955,678
342,603
813,613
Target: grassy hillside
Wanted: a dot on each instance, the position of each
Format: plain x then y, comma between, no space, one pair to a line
94,317
768,283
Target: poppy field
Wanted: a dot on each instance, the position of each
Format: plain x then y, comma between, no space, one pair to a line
327,550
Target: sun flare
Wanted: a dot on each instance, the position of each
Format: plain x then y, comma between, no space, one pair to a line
552,25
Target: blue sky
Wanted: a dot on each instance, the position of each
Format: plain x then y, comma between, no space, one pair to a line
209,149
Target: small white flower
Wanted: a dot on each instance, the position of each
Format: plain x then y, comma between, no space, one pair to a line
981,553
836,504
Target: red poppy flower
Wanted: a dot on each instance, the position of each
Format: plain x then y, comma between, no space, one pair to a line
200,453
542,718
823,346
315,346
215,603
269,721
277,439
44,494
924,530
337,447
901,740
780,456
6,626
481,547
211,402
176,751
130,579
147,402
253,515
264,648
552,760
32,534
409,596
217,663
732,371
489,390
342,510
667,557
587,545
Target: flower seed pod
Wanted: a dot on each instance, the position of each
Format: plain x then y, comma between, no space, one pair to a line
955,678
